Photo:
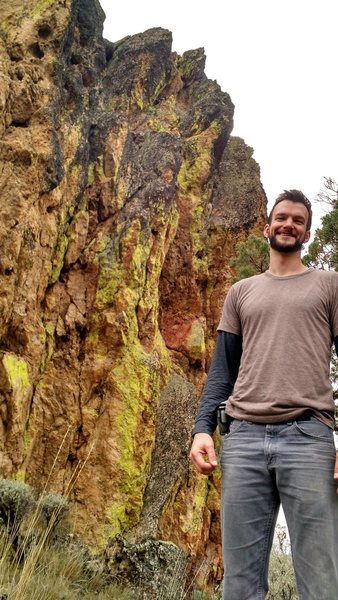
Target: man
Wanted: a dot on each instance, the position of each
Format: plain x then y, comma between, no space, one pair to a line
271,365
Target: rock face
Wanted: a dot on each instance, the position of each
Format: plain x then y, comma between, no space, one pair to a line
122,198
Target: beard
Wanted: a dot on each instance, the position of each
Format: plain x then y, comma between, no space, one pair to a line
288,248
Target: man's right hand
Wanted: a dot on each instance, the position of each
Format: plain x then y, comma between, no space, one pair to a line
203,446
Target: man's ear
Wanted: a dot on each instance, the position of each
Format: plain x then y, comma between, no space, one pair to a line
266,231
307,236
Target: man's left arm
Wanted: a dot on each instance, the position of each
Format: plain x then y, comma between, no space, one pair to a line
336,465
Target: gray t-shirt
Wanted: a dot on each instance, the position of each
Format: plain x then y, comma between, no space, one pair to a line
288,325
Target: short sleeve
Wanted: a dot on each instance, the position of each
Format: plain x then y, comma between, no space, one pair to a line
230,320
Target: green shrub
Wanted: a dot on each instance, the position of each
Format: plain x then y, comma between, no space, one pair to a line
16,501
281,578
282,583
54,508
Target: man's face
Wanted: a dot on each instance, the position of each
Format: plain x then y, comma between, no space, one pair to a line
287,231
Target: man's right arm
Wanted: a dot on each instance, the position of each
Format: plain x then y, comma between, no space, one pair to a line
220,382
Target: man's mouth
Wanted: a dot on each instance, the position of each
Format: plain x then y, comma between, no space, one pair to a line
285,234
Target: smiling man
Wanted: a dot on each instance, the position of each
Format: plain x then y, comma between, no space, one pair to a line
271,366
288,227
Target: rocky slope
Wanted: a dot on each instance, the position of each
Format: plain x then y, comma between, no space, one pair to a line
123,196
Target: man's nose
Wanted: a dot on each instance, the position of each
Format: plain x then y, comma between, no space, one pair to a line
288,222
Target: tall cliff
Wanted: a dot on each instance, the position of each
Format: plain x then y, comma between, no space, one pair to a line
122,198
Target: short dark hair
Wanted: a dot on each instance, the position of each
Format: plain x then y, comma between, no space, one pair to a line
294,196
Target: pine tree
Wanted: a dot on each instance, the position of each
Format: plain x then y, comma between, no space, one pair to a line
251,258
323,251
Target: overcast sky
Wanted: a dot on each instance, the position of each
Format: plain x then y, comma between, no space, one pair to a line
278,61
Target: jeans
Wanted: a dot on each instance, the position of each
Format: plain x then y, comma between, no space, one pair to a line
264,466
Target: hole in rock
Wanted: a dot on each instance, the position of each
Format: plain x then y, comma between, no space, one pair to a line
36,50
44,31
20,123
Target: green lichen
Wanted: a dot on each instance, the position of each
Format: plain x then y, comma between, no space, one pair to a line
18,376
40,7
196,340
112,273
196,165
20,475
58,259
115,276
201,491
87,410
191,507
138,95
117,519
136,383
137,378
120,193
49,341
94,326
95,170
194,515
99,167
5,25
28,437
93,336
74,170
192,169
99,358
164,117
159,87
137,98
193,180
130,268
91,174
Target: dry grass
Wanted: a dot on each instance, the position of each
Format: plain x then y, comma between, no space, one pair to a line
33,568
51,573
35,564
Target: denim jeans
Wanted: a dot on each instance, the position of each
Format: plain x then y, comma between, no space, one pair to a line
264,466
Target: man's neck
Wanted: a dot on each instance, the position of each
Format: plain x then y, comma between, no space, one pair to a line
286,264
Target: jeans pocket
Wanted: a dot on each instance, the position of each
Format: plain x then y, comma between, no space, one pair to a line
315,429
235,426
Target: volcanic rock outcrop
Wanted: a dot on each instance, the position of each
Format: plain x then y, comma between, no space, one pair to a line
123,196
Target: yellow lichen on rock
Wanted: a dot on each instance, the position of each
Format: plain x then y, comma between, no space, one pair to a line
17,373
